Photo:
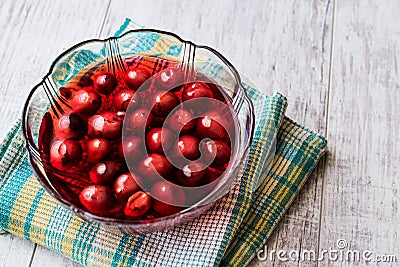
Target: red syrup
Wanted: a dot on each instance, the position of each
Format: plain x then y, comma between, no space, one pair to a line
84,153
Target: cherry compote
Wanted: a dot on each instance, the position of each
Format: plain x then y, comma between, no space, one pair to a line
130,140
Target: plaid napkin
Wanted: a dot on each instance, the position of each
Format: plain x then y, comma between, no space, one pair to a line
230,233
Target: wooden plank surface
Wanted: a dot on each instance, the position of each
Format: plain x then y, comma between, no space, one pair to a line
349,92
15,251
361,190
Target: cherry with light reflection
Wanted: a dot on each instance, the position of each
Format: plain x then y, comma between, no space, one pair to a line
135,77
138,204
105,83
192,174
217,148
154,165
125,185
170,79
159,140
65,154
181,121
199,92
98,149
186,146
164,193
164,103
104,172
139,120
98,199
105,125
85,102
126,97
212,125
131,149
71,126
196,90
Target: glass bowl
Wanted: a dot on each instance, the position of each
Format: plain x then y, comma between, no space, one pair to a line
151,43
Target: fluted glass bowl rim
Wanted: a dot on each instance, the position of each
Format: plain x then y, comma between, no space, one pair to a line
125,222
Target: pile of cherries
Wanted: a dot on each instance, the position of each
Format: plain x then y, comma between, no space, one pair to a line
120,132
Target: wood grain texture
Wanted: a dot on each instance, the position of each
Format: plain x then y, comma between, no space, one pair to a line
296,63
44,257
15,251
361,192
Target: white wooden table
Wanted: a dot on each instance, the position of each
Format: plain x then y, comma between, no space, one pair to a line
336,61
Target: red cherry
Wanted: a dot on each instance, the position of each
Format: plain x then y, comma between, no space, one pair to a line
211,125
158,121
139,120
46,133
218,148
86,81
154,165
214,174
131,149
104,172
71,126
105,83
135,77
97,199
119,151
127,97
66,92
121,114
181,121
65,154
192,174
125,186
170,79
138,204
86,102
158,140
98,149
106,125
187,146
164,103
194,91
163,193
